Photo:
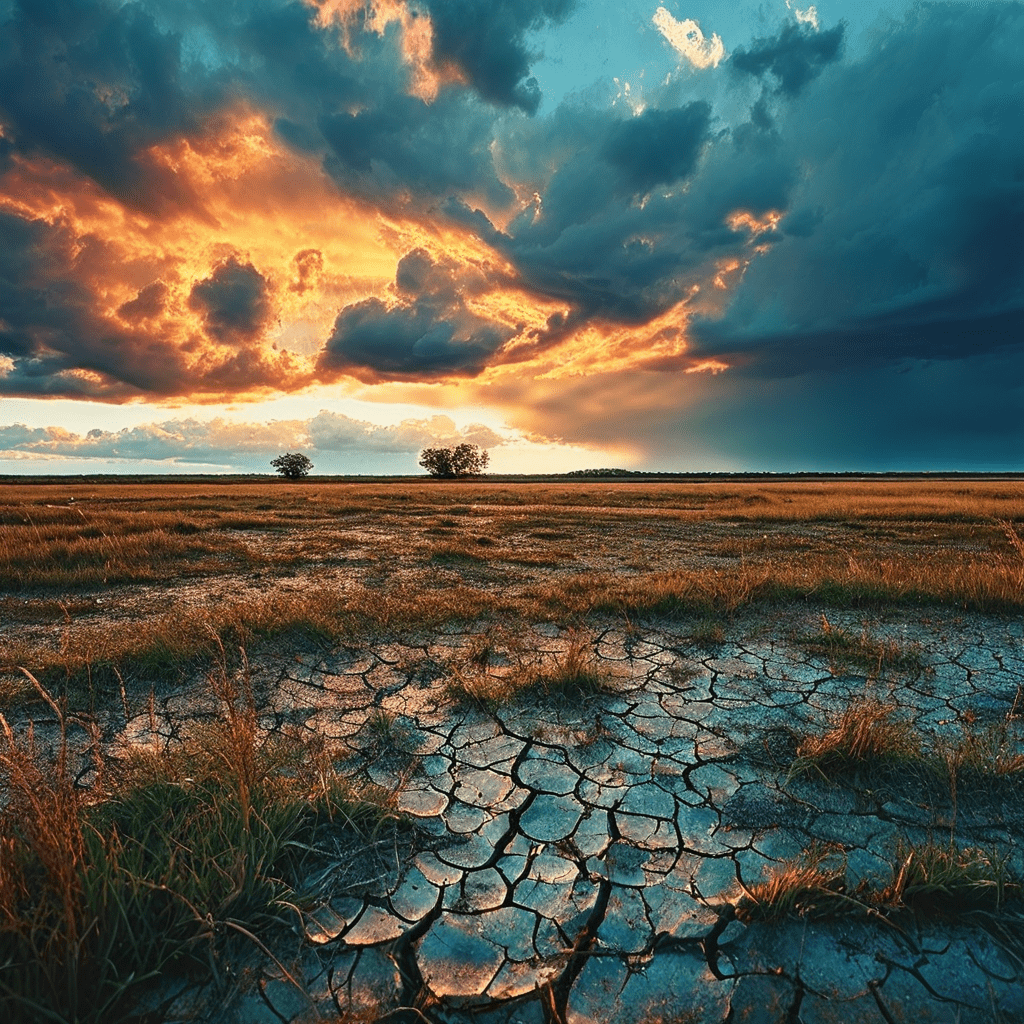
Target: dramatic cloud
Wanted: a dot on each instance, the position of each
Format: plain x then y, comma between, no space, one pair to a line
220,201
232,300
604,238
486,41
428,332
659,146
903,240
309,268
149,302
95,86
49,325
63,342
794,58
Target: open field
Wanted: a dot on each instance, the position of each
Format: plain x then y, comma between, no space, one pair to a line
258,559
545,751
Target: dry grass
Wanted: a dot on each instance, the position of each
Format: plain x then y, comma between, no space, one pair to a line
90,659
972,583
928,878
146,871
391,556
386,736
169,857
870,734
948,879
708,633
994,752
867,735
812,884
75,533
572,675
66,548
484,550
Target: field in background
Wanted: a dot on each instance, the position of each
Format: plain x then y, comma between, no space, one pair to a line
143,577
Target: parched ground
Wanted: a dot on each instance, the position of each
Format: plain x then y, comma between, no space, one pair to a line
619,724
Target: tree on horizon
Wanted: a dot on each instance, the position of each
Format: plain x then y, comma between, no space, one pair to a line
450,463
292,465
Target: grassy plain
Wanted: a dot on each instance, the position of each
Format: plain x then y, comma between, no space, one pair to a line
144,577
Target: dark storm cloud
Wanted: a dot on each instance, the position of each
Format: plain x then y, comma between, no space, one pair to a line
48,325
98,86
954,414
659,146
897,176
486,41
429,332
51,330
378,141
612,235
94,85
903,237
147,304
6,153
233,301
795,57
396,149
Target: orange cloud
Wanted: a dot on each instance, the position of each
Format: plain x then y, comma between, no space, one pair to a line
426,78
267,212
309,251
754,224
263,206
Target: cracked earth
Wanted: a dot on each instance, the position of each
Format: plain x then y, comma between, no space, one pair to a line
581,859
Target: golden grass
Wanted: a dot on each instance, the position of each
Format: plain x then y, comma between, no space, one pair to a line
929,878
813,883
572,675
523,552
944,878
845,649
994,751
253,505
66,547
969,583
866,735
163,646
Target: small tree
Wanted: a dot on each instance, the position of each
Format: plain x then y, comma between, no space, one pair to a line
449,463
292,466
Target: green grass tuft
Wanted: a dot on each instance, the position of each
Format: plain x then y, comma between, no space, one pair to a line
846,650
170,857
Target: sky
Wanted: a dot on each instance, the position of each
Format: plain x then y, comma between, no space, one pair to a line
693,235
